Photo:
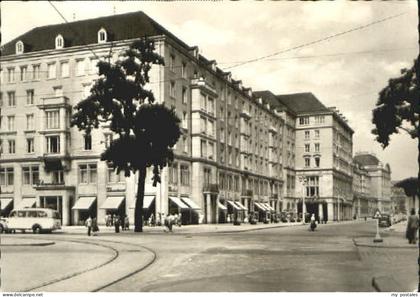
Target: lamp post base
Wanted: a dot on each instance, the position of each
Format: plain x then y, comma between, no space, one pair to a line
377,238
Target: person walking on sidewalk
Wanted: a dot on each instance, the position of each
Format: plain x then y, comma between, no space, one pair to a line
313,223
117,224
95,228
88,224
412,227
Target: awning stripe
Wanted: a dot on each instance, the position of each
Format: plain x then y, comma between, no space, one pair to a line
84,203
190,203
147,201
231,203
179,203
27,203
260,206
112,202
241,205
221,206
5,202
269,207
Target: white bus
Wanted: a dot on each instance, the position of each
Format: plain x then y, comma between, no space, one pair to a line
36,219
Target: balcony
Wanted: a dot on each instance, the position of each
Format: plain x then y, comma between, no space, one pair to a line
244,113
52,186
54,102
203,85
211,188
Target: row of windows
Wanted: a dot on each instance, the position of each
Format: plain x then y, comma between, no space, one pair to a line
316,147
184,174
308,134
317,162
53,145
303,121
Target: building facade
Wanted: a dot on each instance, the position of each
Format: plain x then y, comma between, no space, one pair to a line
228,161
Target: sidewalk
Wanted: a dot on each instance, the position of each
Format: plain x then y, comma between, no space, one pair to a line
195,229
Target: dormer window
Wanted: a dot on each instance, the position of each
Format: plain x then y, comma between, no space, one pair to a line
102,36
19,47
59,41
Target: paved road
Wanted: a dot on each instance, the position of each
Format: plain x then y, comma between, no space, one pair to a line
274,260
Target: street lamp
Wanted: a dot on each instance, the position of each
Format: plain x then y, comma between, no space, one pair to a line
303,180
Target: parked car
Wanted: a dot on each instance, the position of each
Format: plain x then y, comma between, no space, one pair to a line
38,220
3,225
385,220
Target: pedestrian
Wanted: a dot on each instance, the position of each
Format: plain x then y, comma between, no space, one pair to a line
126,223
412,226
117,223
95,228
179,219
166,223
313,222
88,224
151,220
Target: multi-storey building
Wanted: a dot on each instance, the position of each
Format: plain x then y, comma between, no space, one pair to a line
364,204
380,180
322,156
228,162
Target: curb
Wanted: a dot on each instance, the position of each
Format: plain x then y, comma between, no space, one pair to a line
375,285
380,246
29,244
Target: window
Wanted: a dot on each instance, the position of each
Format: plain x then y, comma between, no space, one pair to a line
10,75
114,177
317,147
19,47
307,136
210,105
12,146
59,41
203,125
211,150
316,134
319,119
222,135
173,174
184,95
35,71
210,127
312,186
80,67
185,175
108,139
1,99
102,36
230,156
52,71
64,69
184,70
304,120
53,144
53,120
30,145
11,98
1,76
30,175
172,63
203,102
222,153
307,162
87,173
185,142
184,122
88,142
307,148
58,177
7,176
172,89
203,146
1,146
11,123
317,162
23,73
207,176
29,97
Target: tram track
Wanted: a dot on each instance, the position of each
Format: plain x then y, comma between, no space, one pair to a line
102,243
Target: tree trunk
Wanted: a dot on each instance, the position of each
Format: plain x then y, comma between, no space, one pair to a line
138,211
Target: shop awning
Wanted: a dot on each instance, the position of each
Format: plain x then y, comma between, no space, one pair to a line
232,203
179,203
269,207
260,206
5,202
221,206
147,201
27,203
190,203
84,203
112,202
241,205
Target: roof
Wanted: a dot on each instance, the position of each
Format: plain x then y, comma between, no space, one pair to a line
271,99
118,27
302,102
366,159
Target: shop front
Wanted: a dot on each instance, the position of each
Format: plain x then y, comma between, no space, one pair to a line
262,212
114,206
84,207
187,209
223,212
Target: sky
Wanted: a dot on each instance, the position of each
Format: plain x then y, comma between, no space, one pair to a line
346,71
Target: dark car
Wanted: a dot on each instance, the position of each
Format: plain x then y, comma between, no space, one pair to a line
385,221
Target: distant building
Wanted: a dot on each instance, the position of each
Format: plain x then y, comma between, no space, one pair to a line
399,201
380,179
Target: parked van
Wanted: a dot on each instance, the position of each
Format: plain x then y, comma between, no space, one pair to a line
36,219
